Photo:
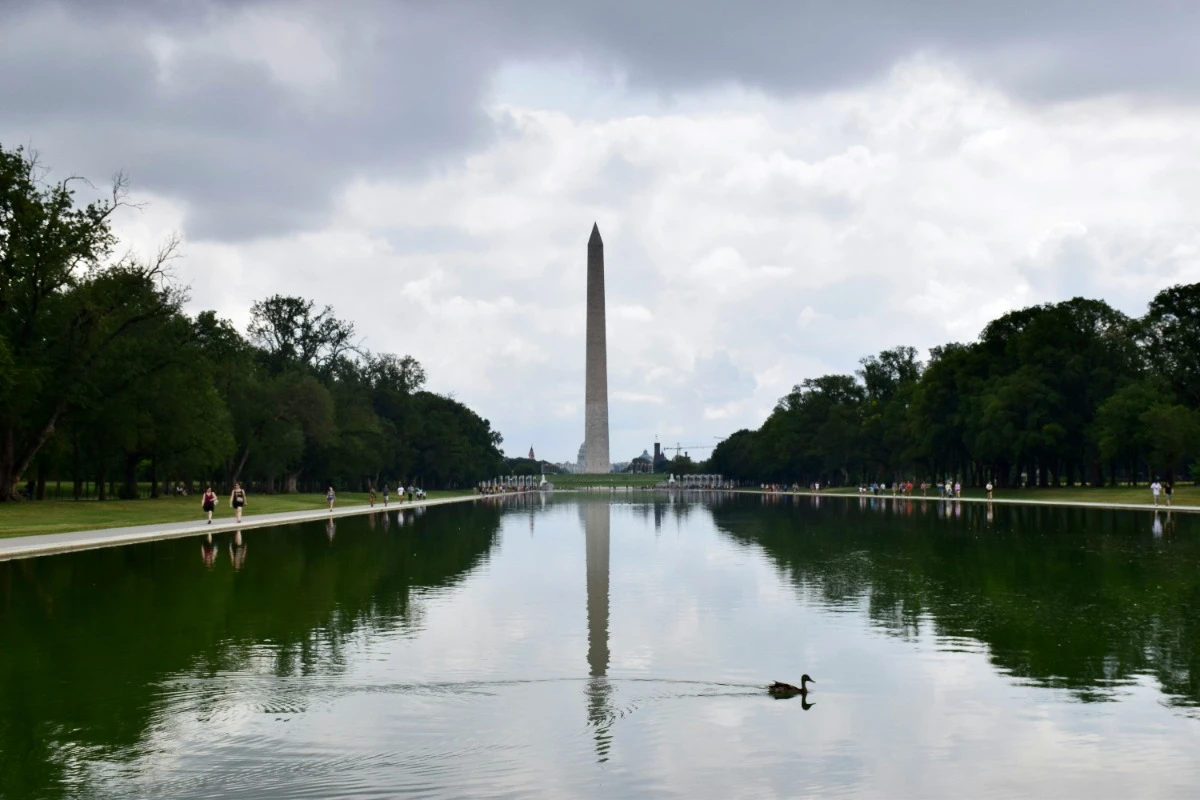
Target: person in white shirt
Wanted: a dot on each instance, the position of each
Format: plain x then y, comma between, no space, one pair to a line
1155,488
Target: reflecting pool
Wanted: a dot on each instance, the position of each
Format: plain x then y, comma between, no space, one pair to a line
573,647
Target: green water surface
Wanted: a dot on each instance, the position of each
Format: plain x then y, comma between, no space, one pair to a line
578,648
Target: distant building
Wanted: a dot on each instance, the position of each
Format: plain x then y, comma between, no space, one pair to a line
642,464
532,457
660,459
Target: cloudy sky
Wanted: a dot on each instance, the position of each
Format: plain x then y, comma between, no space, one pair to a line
782,186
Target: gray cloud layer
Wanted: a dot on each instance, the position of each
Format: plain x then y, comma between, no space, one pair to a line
255,114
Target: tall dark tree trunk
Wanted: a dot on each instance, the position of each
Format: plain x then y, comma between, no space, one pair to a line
76,475
8,479
13,463
129,491
236,473
101,486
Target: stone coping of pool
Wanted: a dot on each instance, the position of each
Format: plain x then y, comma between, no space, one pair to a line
998,500
52,543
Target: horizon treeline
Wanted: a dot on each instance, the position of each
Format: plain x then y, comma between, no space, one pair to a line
104,379
1065,393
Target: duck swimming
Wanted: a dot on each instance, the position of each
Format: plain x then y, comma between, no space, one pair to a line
780,689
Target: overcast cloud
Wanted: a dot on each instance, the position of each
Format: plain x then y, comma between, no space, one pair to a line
782,187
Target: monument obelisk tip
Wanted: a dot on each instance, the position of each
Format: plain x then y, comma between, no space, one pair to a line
595,237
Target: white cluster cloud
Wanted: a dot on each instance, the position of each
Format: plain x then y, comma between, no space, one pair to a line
751,242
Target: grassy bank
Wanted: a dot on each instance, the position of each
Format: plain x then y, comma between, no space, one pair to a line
61,516
578,481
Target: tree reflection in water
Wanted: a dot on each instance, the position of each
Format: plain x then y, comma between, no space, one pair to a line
1082,599
90,639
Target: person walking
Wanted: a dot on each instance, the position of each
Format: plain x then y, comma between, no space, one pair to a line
957,489
989,491
371,497
237,499
1155,488
330,496
1167,492
385,495
411,492
209,502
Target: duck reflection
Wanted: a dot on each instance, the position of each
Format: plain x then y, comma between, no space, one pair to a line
596,517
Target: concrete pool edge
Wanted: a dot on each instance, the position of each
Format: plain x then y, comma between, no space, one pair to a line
995,501
45,544
34,545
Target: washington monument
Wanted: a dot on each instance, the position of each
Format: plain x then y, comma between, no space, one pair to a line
595,413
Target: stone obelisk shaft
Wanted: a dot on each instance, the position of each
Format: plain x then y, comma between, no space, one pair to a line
595,411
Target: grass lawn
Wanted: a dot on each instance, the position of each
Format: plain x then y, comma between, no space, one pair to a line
60,516
577,481
1184,495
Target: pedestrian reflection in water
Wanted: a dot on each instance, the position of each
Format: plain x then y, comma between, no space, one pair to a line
1156,527
330,529
371,521
237,551
208,551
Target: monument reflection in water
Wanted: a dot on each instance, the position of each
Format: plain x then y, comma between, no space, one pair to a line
596,517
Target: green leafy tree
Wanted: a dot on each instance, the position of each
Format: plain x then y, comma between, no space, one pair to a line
1120,431
1170,332
290,333
63,304
1172,432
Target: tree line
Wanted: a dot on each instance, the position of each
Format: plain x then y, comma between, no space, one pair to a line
105,379
1069,393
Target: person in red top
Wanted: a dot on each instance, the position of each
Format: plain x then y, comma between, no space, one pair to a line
209,502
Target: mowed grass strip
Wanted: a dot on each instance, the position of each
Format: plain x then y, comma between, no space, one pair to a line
63,516
618,479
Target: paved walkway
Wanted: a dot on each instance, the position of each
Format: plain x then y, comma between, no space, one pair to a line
50,543
997,501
